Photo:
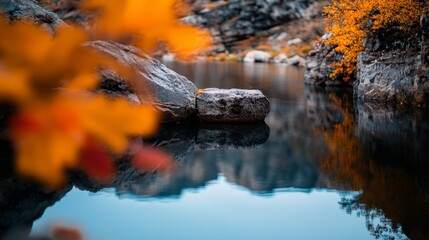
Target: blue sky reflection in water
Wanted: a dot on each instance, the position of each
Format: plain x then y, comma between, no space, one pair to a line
318,163
219,211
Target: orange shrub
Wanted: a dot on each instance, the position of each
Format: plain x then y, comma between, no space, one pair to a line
350,21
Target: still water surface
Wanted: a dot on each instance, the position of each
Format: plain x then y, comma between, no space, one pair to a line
321,168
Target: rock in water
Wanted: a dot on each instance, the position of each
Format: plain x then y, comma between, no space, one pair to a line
174,94
232,105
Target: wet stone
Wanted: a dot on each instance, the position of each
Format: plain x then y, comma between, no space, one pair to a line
232,105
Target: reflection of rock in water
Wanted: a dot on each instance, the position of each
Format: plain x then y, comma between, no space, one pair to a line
185,143
322,110
215,136
396,141
381,153
21,204
394,135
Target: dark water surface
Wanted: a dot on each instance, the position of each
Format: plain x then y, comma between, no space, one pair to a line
321,168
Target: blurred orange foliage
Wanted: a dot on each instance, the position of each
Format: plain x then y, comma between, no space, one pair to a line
151,22
60,122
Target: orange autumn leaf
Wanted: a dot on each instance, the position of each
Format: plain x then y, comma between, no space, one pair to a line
14,86
151,22
111,121
48,138
56,61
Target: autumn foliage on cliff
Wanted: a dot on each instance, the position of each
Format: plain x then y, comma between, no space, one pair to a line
60,121
350,21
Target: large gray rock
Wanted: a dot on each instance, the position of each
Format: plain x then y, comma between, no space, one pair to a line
29,10
232,105
173,94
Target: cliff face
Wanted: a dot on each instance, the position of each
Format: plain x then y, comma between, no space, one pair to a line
394,67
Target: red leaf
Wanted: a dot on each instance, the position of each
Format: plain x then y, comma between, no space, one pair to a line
96,162
66,233
152,159
25,123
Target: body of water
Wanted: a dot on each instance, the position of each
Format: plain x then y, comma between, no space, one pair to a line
321,167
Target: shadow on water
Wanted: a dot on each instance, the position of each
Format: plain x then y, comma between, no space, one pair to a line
312,139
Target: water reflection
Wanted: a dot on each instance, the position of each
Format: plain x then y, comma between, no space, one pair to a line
380,153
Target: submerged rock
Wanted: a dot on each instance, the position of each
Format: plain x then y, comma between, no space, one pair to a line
174,95
232,105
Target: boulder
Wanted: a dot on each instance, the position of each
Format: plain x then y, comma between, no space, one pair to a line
171,93
29,10
257,56
232,105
